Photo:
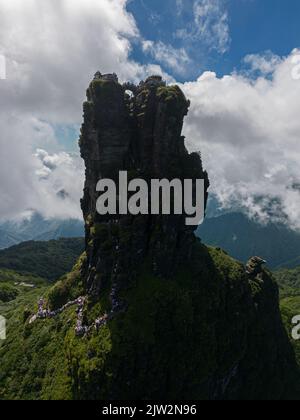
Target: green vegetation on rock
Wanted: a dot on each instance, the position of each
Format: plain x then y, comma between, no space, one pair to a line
8,292
168,338
174,98
69,287
49,260
289,282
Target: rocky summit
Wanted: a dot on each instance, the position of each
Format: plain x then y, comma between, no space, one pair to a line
139,133
159,315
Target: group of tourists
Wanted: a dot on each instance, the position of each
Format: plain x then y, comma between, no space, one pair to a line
80,329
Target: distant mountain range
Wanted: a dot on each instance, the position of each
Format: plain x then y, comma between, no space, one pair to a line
239,236
38,228
47,259
243,238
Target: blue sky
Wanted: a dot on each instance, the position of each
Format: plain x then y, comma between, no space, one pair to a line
247,128
254,26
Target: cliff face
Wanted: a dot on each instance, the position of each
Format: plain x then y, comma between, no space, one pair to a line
192,323
140,134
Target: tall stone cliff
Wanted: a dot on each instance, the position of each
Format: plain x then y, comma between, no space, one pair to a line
138,132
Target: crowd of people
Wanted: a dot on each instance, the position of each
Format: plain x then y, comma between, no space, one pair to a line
43,313
80,329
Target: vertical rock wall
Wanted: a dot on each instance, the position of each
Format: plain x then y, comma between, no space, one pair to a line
141,134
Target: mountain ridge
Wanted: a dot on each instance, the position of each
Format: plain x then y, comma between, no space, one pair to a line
37,228
242,238
49,260
160,316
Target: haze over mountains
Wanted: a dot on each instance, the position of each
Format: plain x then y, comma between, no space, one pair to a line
48,259
243,238
234,232
38,228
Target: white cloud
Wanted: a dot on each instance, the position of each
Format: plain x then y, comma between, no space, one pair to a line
33,181
263,63
211,25
52,49
60,177
248,131
173,58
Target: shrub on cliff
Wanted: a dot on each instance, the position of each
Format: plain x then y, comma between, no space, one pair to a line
7,292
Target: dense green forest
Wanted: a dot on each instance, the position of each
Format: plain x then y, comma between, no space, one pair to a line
35,263
49,260
35,345
289,281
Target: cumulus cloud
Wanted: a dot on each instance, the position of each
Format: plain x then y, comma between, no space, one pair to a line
52,50
175,59
54,47
17,164
248,131
247,128
262,64
211,25
33,180
60,179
